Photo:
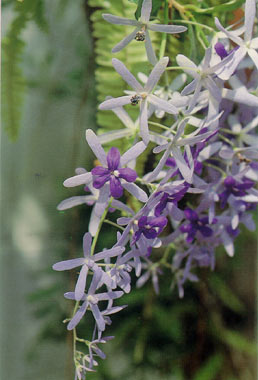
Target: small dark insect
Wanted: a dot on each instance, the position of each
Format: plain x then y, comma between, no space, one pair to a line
135,100
140,36
243,159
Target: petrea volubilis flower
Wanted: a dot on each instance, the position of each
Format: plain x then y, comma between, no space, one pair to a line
141,31
142,94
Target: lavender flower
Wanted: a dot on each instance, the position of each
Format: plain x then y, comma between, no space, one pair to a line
141,94
203,77
91,300
140,32
88,262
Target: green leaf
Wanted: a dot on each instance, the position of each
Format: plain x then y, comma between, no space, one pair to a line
225,294
210,369
239,342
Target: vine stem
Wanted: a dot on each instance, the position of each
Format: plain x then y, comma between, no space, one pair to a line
93,246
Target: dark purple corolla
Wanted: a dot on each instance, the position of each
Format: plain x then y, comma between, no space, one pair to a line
233,187
171,198
196,224
113,174
150,227
221,51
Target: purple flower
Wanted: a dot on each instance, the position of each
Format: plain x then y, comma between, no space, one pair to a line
111,177
113,174
173,196
150,227
221,51
233,187
196,224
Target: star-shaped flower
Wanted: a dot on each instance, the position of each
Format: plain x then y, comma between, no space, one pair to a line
203,77
246,45
140,33
141,94
112,171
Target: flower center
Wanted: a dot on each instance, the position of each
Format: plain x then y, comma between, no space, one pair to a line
92,299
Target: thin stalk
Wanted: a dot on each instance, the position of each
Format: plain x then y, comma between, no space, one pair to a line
113,224
93,246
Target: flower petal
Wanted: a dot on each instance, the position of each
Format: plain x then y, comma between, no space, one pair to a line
136,191
119,20
162,104
116,188
132,153
81,283
75,201
156,73
78,316
101,180
87,239
99,170
144,130
146,10
96,147
187,65
128,174
81,179
113,158
254,56
115,102
68,264
182,165
230,35
125,41
167,28
250,10
149,49
126,75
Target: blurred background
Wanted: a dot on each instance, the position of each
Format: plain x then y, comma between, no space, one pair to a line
49,98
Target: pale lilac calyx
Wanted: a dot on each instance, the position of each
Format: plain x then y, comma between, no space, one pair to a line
113,174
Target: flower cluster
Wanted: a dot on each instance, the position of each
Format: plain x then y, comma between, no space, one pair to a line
201,188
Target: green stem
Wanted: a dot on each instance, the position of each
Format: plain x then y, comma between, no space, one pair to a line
113,224
224,174
194,23
159,125
93,246
164,35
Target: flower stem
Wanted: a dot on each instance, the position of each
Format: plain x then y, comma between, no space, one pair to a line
93,246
